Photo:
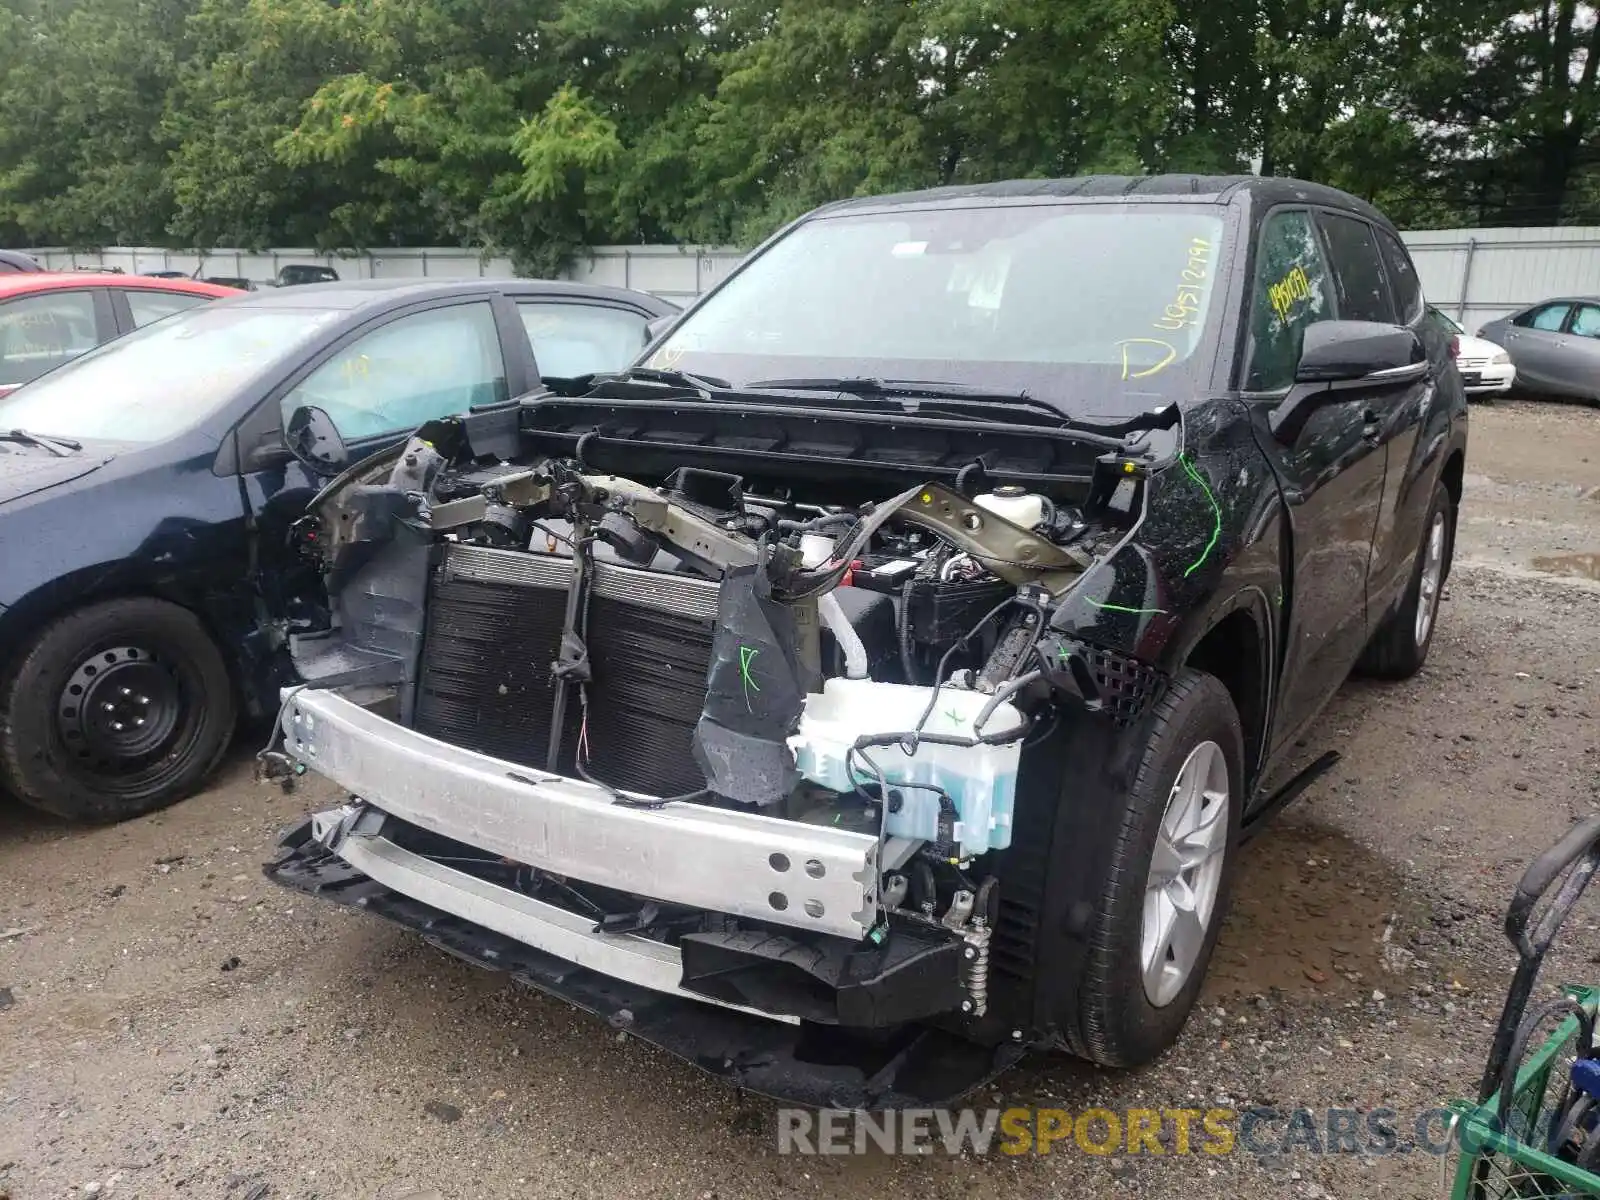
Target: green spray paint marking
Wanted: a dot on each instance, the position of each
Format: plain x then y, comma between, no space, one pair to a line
1123,608
1216,509
747,656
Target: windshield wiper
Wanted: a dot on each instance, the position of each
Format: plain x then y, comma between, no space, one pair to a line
54,445
910,389
704,384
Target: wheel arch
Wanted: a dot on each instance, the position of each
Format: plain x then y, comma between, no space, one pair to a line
24,618
1453,475
1236,647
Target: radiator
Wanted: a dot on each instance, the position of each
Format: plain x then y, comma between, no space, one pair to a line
494,623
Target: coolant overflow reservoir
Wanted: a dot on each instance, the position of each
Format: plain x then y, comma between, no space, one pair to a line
980,780
1016,504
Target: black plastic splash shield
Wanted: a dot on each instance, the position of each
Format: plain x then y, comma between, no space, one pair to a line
822,1066
755,692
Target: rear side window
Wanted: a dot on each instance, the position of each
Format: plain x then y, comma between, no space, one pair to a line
1402,277
43,331
1291,291
1549,317
152,306
1357,269
577,339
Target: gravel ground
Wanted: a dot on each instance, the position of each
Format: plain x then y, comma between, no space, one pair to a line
171,1025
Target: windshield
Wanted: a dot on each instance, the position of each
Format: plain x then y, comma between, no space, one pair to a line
162,379
1096,308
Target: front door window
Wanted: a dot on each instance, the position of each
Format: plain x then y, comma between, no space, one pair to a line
430,364
1291,292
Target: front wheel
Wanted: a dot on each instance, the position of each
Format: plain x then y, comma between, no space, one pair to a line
114,710
1169,879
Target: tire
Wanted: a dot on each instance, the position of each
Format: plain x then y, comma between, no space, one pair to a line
1400,646
1129,1013
114,710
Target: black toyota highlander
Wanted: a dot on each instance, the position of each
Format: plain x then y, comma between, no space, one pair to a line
875,681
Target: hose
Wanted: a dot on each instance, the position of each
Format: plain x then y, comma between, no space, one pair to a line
815,523
1002,693
910,738
850,645
812,584
908,665
1525,1031
948,812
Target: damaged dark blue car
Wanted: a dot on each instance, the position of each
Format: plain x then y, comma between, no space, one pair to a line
875,682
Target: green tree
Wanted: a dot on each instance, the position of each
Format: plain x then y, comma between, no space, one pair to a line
82,154
821,99
538,127
1528,110
257,65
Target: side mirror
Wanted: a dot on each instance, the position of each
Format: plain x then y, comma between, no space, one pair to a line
312,438
1339,355
1344,351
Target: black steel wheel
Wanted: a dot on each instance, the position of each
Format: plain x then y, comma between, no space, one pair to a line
114,710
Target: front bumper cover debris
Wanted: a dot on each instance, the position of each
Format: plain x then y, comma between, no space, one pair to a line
797,1062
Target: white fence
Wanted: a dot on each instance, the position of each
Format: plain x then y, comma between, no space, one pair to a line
1475,275
677,273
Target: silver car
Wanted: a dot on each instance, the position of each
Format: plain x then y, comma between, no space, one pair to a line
1555,345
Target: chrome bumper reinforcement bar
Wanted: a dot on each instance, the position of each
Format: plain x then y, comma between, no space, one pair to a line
786,872
556,931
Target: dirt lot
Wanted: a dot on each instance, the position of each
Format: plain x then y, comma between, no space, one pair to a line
172,1025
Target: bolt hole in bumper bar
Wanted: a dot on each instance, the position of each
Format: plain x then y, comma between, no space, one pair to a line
785,1000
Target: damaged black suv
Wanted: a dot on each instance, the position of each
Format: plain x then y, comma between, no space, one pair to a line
876,680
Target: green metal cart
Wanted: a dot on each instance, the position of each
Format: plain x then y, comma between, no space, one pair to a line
1525,1138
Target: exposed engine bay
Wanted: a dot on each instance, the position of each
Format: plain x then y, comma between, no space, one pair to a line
833,698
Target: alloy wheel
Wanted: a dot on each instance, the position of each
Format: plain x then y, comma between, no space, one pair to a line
1428,585
1185,876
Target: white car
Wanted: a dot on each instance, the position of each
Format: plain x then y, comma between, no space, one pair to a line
1486,369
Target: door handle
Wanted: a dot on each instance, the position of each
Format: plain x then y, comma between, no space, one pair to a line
1372,426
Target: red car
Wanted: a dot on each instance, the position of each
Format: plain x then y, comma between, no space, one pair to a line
47,318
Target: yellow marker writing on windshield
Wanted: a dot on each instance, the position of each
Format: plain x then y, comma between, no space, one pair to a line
1126,342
